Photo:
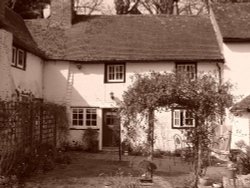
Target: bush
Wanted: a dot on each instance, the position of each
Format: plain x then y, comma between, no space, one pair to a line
158,153
90,139
241,157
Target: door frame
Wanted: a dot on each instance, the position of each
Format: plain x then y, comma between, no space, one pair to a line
103,123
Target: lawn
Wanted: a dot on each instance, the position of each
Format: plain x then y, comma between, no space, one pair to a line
95,170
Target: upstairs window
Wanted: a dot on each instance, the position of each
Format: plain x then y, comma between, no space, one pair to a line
84,117
115,73
189,69
18,58
182,118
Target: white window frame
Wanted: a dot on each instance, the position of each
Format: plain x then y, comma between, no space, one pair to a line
187,68
85,117
115,72
179,119
14,56
22,65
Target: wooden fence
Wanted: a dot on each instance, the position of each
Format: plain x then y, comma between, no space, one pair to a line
24,126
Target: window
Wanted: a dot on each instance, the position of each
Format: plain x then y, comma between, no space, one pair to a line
182,119
18,58
115,73
13,62
84,117
187,68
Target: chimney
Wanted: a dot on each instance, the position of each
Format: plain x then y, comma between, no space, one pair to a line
2,8
61,13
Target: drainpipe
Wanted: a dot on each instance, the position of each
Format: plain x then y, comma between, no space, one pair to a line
219,72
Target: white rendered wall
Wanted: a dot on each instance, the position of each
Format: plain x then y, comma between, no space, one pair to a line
89,90
30,79
240,129
6,81
237,67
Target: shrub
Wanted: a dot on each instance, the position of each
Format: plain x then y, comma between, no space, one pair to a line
158,153
241,157
90,139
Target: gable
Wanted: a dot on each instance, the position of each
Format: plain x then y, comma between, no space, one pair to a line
21,35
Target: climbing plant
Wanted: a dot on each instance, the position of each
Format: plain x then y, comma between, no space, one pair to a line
205,97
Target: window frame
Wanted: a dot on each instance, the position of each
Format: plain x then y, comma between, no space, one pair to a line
182,119
187,63
15,56
115,80
84,118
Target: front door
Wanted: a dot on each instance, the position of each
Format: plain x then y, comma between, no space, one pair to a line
111,128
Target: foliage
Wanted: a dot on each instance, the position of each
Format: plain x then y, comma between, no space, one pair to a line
90,138
205,97
26,145
10,182
88,7
28,8
184,7
242,158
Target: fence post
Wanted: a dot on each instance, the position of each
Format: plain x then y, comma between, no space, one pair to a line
55,133
41,124
31,106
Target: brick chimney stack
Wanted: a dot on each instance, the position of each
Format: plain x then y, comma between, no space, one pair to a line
61,13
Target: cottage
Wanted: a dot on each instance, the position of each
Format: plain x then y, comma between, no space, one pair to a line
87,61
21,68
233,28
232,24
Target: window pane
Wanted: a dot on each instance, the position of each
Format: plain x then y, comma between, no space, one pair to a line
189,121
91,117
20,58
88,122
77,117
80,122
74,116
115,73
74,122
88,116
80,116
188,69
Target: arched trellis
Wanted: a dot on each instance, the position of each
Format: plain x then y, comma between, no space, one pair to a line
204,96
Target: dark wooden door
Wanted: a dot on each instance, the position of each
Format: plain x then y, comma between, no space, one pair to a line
111,128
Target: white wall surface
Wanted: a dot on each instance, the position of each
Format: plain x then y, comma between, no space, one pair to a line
237,67
240,129
30,79
6,81
89,90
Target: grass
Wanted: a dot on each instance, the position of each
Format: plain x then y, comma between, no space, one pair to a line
95,170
